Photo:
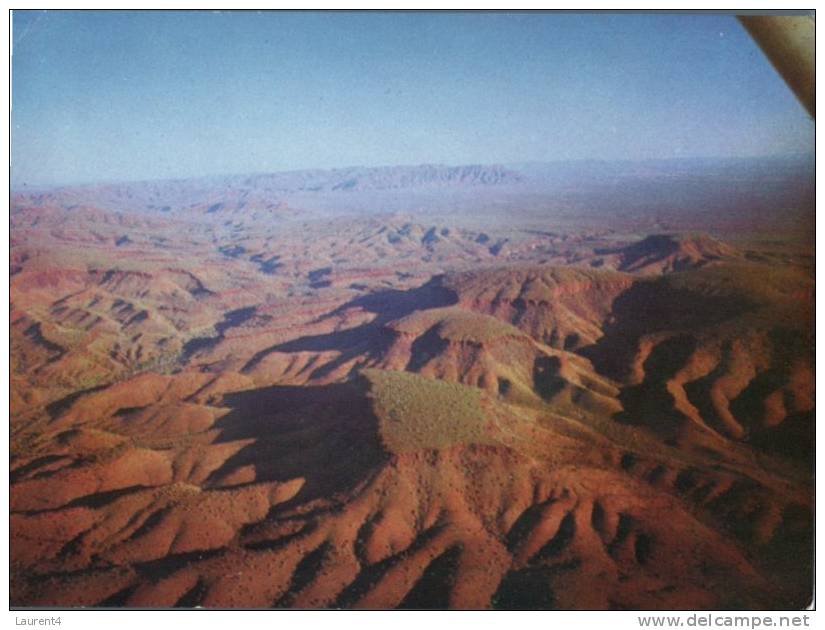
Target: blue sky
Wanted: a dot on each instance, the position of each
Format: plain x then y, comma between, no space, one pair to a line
103,96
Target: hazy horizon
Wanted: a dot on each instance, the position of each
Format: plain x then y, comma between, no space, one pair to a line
515,166
105,97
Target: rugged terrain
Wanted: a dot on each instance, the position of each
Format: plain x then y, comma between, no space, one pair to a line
228,394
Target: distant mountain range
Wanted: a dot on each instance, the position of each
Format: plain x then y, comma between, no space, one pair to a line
692,183
265,190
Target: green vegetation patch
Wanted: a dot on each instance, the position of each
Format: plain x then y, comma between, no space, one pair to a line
745,281
533,284
417,413
457,324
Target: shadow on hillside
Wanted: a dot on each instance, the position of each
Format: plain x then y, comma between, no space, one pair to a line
326,435
369,339
652,306
649,403
393,303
